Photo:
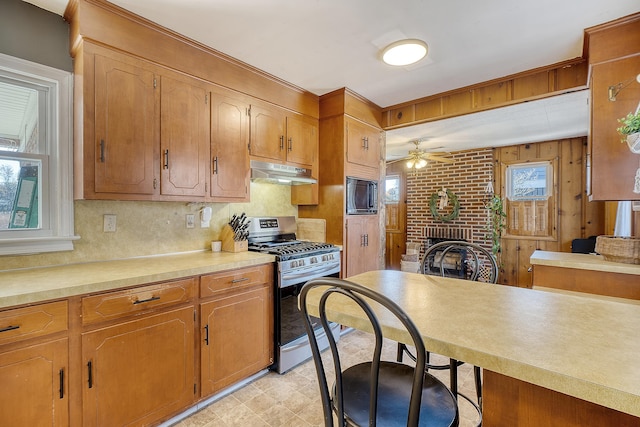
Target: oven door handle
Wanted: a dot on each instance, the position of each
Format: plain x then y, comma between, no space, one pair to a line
319,336
306,272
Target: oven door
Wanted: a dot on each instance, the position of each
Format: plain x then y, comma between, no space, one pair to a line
292,343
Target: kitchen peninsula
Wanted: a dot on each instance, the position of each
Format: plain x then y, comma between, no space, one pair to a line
586,273
548,358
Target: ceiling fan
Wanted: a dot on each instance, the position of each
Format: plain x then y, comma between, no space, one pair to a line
417,158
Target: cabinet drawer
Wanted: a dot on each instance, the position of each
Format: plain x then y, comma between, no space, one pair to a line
113,305
234,279
35,321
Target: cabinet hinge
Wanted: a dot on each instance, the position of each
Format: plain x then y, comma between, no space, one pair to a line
155,83
249,111
206,187
206,99
194,389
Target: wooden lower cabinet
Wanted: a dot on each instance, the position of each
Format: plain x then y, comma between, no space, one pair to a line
33,385
139,372
236,337
363,243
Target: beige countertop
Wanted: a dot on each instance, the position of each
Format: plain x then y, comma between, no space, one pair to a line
583,347
582,262
40,284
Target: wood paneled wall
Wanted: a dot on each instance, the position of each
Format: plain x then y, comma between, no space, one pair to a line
575,216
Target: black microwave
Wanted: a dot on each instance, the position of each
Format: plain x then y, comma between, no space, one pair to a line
362,196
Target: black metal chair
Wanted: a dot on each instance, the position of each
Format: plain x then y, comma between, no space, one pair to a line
461,260
376,392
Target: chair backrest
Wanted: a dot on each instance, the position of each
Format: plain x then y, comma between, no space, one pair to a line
459,259
356,293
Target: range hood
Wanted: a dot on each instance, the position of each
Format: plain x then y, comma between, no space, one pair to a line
280,174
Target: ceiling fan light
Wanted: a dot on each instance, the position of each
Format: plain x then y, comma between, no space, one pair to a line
421,163
404,52
410,163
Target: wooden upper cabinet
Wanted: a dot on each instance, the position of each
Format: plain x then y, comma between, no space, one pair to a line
281,138
184,136
229,149
302,140
613,166
267,133
363,144
126,107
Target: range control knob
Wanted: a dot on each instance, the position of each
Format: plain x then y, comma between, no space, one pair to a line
313,260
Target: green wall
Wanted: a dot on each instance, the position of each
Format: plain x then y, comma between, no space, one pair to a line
31,33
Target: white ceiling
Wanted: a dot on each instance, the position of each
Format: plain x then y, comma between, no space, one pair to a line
322,45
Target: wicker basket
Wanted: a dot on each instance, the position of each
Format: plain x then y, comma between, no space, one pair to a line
619,249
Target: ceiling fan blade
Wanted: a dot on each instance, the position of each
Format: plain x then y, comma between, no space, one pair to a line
403,159
439,159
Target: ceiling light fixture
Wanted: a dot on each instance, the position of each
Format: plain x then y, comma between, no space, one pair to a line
404,52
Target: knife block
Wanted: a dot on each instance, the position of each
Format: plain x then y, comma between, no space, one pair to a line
230,245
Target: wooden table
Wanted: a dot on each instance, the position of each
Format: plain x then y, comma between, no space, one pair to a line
548,358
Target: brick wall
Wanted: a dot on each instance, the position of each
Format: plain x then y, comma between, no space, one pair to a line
467,178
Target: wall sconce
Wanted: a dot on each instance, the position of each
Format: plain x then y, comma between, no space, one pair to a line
614,90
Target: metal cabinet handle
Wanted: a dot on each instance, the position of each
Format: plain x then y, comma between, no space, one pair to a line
90,373
9,328
281,142
62,383
142,301
102,151
243,279
166,159
206,334
215,165
364,142
290,144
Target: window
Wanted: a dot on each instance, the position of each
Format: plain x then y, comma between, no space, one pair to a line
36,207
530,204
529,181
392,189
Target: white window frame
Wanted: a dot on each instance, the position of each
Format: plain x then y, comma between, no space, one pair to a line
56,233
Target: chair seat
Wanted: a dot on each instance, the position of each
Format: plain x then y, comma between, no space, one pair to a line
438,408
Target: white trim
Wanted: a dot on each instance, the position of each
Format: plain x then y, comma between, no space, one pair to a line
59,234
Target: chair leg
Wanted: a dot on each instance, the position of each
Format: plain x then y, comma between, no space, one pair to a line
478,380
453,377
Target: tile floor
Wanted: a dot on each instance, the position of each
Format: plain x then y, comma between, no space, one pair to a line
293,399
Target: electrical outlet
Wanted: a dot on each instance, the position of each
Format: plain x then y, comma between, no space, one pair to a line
191,220
109,224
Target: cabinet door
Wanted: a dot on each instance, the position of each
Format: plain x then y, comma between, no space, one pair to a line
34,385
363,144
237,337
267,134
363,242
613,166
184,136
126,116
229,149
302,141
138,372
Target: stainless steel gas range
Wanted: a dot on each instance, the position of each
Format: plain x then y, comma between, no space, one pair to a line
296,262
